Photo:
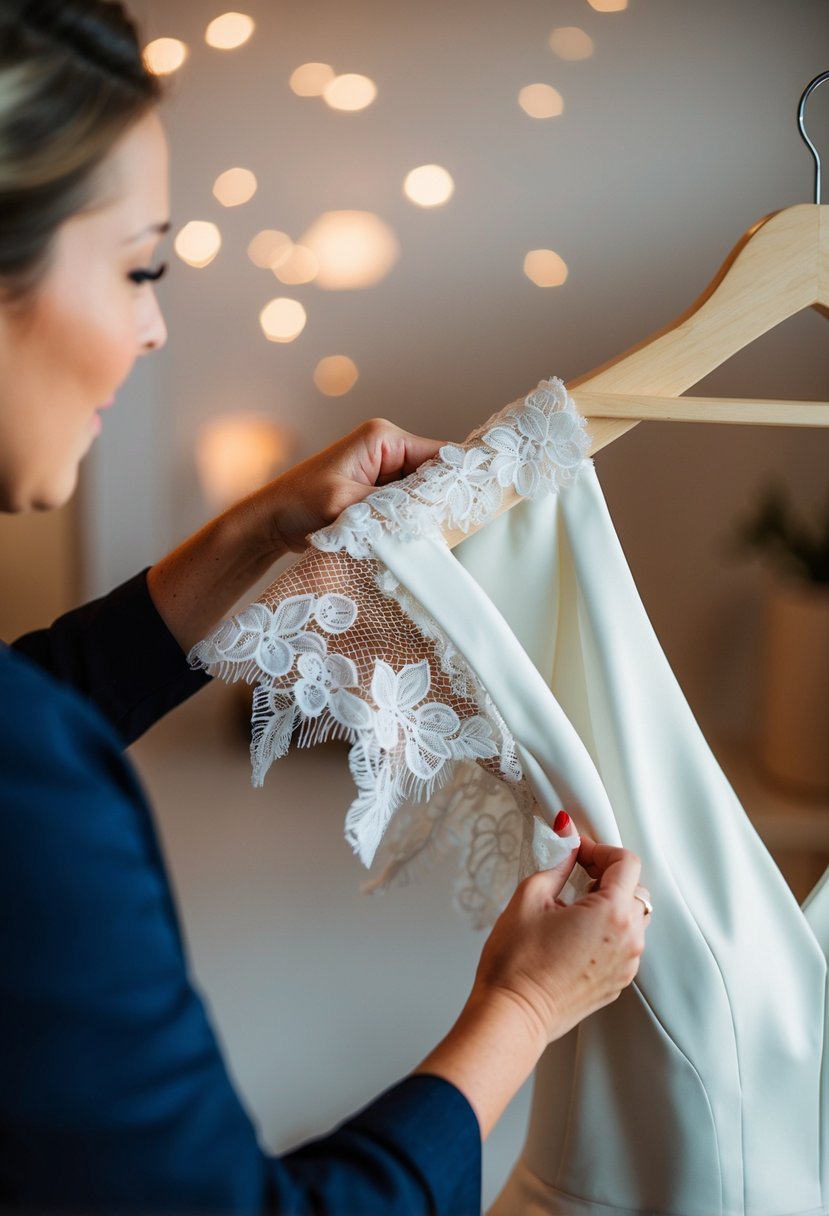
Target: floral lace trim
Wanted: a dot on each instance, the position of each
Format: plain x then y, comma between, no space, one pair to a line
534,447
412,725
403,741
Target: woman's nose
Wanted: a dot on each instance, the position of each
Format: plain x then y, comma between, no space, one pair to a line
152,331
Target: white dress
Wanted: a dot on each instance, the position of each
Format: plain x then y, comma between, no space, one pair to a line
701,1091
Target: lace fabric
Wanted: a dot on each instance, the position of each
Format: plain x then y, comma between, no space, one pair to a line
338,648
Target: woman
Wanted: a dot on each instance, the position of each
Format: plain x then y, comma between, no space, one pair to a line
113,1092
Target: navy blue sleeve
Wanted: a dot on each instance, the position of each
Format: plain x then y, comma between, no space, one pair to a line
118,652
114,1095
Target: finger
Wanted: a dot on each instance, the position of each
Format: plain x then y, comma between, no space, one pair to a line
622,875
564,828
595,856
563,825
642,896
402,453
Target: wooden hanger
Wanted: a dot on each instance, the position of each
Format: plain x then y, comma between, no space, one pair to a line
778,268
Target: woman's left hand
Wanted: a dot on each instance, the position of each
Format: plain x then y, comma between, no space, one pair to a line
198,583
312,494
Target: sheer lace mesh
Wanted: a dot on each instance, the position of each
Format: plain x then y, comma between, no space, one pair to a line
338,648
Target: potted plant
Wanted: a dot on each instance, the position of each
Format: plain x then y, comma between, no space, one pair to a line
793,703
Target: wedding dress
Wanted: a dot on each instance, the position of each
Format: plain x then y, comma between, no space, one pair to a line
482,690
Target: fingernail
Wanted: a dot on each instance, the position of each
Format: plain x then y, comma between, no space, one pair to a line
561,822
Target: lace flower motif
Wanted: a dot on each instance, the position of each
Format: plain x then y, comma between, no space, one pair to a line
464,485
532,454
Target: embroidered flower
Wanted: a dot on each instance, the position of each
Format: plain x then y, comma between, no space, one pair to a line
319,678
464,486
433,733
335,613
355,530
529,452
395,695
269,639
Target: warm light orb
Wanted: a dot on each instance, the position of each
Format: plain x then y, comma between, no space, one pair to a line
353,248
198,243
229,31
545,268
570,42
270,248
429,186
541,101
311,79
283,320
608,6
234,187
236,453
350,92
336,375
300,266
165,55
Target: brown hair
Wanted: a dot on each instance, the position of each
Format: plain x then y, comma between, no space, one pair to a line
72,81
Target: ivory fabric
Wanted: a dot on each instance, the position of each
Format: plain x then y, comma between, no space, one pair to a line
701,1091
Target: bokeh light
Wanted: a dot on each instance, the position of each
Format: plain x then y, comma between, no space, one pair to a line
541,101
283,320
545,268
608,6
353,248
270,248
198,243
311,79
165,55
336,375
229,31
570,42
236,453
299,266
350,92
234,187
429,186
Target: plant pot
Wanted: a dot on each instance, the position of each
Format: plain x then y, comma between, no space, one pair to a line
793,734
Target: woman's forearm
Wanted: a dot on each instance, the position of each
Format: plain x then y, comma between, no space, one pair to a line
488,1055
197,584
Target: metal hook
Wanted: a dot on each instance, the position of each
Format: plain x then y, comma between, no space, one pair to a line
800,111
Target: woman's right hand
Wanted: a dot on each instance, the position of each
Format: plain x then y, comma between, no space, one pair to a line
544,967
558,963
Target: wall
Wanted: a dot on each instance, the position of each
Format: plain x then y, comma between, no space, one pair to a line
42,550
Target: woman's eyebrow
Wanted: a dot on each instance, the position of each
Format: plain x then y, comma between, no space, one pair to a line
150,230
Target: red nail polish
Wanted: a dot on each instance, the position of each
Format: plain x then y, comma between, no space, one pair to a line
561,822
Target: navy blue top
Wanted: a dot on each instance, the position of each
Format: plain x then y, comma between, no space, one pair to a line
114,1095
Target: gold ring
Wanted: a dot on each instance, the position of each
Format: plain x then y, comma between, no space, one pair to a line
646,904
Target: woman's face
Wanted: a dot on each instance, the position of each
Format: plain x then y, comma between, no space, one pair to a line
64,356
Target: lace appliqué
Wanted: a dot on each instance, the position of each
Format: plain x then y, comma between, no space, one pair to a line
535,447
338,648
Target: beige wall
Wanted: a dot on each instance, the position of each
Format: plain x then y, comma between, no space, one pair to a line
39,557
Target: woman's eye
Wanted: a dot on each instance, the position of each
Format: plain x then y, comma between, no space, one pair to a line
147,276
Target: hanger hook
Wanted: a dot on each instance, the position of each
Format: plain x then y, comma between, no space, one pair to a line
800,111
